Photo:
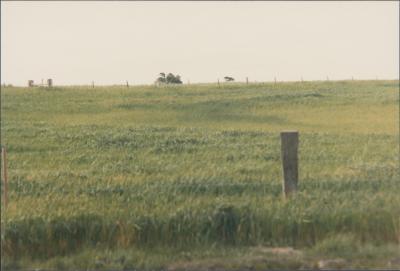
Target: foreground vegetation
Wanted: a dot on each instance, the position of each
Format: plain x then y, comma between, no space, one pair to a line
154,174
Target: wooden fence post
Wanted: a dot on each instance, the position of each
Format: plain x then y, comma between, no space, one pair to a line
247,80
127,84
289,146
5,180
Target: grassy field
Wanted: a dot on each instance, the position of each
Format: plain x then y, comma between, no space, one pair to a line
190,176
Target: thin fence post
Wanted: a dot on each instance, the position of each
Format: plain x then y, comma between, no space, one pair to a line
5,178
92,84
127,84
247,80
289,146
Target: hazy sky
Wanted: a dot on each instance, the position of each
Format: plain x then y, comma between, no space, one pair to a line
111,42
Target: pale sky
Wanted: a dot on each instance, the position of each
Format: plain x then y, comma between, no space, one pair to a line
111,42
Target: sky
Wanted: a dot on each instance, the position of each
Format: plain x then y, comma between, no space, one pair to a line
75,43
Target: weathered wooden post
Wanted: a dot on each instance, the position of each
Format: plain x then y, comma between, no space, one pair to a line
247,80
5,179
30,83
127,84
50,82
289,146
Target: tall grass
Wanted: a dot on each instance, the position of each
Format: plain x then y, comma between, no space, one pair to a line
188,166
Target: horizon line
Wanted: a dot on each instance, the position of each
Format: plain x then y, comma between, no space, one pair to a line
199,83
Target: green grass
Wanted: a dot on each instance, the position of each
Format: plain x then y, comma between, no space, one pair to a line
189,167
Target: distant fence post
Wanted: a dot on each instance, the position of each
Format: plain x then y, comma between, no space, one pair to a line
5,180
289,146
92,84
247,80
127,84
49,83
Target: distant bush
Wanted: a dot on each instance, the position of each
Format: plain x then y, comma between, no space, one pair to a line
228,78
169,79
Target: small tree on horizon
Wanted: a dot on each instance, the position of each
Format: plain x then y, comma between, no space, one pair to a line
161,78
169,79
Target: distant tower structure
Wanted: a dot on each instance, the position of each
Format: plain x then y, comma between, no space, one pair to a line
30,83
50,82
